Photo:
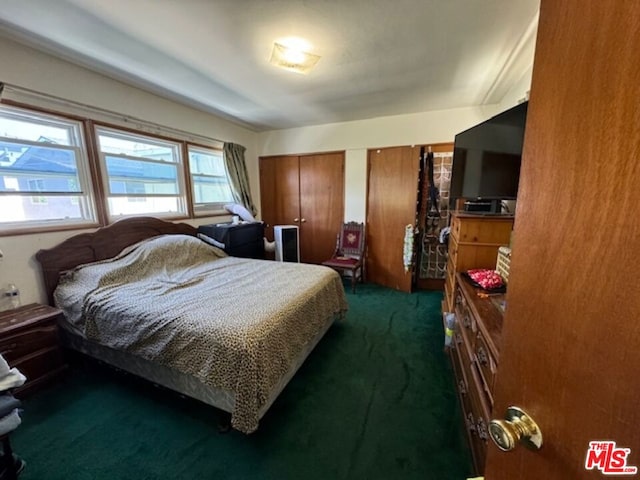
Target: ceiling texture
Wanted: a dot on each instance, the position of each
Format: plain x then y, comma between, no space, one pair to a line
378,57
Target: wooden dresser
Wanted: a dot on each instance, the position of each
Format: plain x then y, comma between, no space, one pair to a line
473,243
29,342
474,355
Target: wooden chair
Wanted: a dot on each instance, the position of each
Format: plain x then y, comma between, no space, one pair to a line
348,258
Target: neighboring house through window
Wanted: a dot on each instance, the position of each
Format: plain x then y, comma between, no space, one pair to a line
44,173
143,174
209,180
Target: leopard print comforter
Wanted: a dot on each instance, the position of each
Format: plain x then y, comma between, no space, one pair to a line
236,324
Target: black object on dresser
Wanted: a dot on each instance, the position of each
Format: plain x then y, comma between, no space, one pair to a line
240,240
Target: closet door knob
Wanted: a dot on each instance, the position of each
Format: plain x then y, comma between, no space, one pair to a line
303,220
296,220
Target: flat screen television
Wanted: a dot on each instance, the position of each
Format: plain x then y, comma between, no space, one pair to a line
486,161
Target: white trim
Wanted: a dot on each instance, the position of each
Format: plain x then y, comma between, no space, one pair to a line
514,60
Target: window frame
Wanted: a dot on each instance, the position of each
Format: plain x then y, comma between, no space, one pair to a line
182,195
95,195
206,209
87,200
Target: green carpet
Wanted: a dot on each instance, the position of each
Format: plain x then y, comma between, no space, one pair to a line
374,400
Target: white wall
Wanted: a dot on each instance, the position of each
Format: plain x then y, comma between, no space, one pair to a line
358,136
28,68
518,92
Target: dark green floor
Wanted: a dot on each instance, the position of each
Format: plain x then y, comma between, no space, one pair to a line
375,400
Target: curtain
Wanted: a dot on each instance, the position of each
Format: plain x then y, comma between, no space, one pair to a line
233,155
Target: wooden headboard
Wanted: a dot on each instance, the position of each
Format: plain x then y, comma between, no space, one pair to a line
104,243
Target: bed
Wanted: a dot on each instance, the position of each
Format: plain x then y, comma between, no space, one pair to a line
149,297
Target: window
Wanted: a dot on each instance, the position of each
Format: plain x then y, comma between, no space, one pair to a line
211,190
38,185
143,175
44,172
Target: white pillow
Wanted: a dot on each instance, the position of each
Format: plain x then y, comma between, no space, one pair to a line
239,210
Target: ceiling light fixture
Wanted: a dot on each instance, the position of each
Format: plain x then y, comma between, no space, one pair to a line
293,58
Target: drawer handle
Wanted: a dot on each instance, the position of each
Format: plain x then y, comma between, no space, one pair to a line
483,433
461,388
471,424
466,321
482,356
9,348
458,339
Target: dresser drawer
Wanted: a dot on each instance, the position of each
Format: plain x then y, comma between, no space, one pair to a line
12,347
456,225
477,229
29,342
449,291
480,437
468,327
452,254
467,321
477,415
462,386
487,365
459,300
466,351
40,363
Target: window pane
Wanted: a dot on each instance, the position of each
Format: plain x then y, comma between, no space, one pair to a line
137,147
138,176
143,205
143,174
209,179
211,190
54,169
26,127
209,163
58,209
43,160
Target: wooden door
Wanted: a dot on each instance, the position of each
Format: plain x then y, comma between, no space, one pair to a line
321,204
570,344
279,192
391,205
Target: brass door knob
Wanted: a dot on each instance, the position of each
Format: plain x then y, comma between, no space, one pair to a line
303,220
517,427
296,220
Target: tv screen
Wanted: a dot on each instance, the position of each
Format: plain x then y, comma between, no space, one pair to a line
486,158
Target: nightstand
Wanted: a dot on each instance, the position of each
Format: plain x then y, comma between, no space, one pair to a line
29,342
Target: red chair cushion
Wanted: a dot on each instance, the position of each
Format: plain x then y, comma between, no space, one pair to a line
341,262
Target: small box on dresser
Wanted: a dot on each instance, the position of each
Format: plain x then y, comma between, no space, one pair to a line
29,342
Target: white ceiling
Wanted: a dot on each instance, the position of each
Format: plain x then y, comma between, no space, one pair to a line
379,57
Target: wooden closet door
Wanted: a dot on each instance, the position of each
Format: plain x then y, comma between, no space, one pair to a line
279,192
321,204
391,205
